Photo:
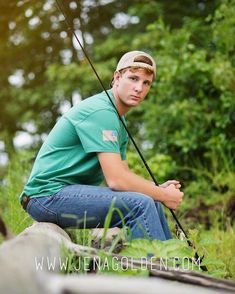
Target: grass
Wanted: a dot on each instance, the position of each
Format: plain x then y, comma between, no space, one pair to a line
218,247
10,209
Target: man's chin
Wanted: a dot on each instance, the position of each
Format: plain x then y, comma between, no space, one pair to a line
131,104
134,103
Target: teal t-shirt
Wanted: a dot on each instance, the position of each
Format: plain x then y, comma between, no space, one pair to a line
69,154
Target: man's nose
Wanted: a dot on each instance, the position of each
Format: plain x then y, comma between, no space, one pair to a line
139,87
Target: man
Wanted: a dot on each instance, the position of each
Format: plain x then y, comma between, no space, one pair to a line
87,145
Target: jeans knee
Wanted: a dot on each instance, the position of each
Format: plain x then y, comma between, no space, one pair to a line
144,201
148,203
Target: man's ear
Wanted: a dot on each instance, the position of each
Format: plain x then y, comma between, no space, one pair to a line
116,76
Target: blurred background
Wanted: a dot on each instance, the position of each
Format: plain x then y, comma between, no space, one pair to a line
186,126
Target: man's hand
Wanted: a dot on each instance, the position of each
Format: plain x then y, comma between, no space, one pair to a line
168,183
173,195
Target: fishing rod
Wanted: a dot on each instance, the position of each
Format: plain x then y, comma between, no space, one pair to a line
61,8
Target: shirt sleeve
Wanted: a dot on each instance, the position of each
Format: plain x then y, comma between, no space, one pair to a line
100,132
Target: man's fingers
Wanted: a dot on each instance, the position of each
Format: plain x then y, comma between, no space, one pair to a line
175,183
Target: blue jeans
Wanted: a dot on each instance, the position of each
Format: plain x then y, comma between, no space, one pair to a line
87,206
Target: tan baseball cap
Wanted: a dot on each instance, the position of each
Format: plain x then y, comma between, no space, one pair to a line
131,59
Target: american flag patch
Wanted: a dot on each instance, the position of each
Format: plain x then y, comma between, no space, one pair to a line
109,135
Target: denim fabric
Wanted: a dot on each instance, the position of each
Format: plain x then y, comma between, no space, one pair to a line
87,206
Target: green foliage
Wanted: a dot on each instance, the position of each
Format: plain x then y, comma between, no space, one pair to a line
223,26
25,49
81,236
72,263
103,263
171,253
217,247
80,78
110,265
163,166
209,197
10,209
142,248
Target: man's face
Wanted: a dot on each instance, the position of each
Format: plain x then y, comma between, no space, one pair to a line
132,86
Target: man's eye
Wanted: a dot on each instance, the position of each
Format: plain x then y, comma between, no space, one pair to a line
133,78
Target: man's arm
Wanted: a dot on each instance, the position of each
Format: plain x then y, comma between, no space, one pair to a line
119,177
125,164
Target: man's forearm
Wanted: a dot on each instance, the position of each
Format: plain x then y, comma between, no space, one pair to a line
119,177
129,181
